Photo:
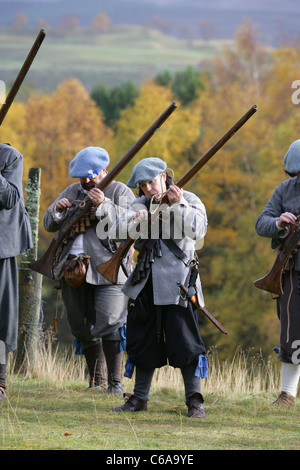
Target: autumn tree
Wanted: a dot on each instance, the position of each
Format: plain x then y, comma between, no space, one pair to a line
20,21
59,125
171,142
246,61
101,23
13,131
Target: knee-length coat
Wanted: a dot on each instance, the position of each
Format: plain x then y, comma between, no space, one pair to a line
16,238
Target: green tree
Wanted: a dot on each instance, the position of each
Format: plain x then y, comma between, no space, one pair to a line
112,101
186,84
164,78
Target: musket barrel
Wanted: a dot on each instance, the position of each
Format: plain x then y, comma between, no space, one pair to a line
21,75
137,146
109,177
45,265
211,152
109,272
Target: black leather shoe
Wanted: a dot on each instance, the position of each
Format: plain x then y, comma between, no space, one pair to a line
132,404
195,406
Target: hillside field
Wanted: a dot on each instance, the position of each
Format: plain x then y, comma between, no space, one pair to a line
125,53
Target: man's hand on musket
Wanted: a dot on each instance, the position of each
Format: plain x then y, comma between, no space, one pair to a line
285,219
96,196
63,204
174,194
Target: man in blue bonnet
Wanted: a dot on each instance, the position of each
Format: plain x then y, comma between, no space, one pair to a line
162,326
96,309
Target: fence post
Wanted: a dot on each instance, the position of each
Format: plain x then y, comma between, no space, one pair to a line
30,283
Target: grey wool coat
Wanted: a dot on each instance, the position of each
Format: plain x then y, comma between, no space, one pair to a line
116,193
186,223
16,238
286,198
15,235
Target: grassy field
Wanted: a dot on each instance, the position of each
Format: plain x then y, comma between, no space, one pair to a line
51,409
125,53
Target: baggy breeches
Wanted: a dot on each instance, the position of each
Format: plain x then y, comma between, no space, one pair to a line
94,312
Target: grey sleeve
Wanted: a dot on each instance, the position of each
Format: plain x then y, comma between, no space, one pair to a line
266,222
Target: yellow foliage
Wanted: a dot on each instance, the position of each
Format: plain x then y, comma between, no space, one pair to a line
173,139
61,124
13,131
13,128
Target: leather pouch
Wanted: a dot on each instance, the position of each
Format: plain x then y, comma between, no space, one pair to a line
75,270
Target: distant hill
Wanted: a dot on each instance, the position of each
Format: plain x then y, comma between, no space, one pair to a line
124,53
274,18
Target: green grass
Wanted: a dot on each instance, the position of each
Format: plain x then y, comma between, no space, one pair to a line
51,408
38,415
124,53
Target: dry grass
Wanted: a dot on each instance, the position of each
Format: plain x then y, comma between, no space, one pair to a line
247,372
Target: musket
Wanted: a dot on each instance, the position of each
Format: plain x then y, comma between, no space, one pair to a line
193,298
21,75
46,264
272,281
111,268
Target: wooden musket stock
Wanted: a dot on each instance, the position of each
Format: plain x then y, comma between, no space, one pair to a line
21,75
45,265
194,301
111,268
272,281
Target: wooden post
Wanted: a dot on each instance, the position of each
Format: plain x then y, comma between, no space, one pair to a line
30,283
